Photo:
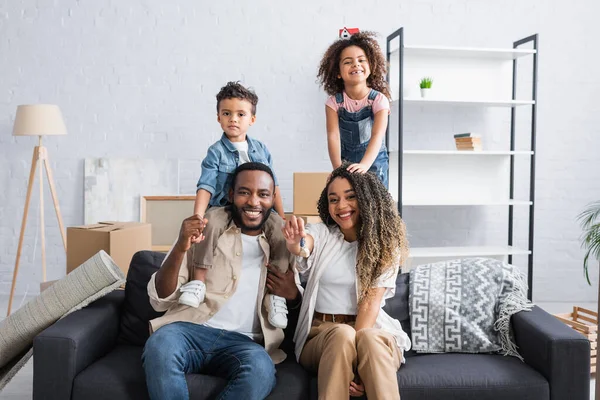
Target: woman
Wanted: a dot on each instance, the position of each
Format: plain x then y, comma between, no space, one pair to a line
352,259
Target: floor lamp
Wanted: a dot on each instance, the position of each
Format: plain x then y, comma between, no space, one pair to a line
38,120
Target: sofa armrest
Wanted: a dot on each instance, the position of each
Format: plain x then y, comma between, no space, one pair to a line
71,344
557,351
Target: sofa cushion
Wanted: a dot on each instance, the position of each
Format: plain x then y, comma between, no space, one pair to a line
119,375
137,310
470,376
464,305
465,377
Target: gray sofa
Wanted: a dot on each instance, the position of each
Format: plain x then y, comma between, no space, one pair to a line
95,353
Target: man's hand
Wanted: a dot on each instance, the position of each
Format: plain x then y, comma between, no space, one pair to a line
191,232
282,284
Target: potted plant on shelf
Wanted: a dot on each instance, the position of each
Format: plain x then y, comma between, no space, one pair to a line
590,241
425,86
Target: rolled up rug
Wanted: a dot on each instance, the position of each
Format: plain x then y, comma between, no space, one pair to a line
95,278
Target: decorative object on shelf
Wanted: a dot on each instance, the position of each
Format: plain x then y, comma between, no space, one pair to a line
425,86
468,141
345,33
38,120
590,240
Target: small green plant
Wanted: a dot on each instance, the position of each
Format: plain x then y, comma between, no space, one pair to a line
426,83
590,239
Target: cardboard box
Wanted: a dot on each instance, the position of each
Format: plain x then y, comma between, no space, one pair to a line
121,240
308,219
307,190
311,219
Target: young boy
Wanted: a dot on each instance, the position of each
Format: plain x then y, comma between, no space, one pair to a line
236,112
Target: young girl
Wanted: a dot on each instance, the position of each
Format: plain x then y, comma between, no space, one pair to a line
352,72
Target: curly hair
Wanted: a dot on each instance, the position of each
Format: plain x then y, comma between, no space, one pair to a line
329,69
381,232
235,90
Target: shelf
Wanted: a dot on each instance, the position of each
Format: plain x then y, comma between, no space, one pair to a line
454,178
471,251
427,202
464,52
463,102
465,152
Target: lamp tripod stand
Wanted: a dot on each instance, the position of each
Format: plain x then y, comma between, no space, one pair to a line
28,121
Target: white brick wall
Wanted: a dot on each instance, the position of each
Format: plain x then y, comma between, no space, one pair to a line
138,79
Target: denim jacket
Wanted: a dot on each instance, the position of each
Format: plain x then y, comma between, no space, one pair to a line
220,162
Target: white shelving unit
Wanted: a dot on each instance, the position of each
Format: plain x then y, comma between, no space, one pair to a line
463,52
463,77
468,103
466,153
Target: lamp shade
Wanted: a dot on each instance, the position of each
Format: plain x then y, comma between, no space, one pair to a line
39,120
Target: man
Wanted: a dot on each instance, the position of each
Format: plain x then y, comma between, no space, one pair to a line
228,335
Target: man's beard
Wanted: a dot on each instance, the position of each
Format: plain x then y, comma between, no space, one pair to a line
236,215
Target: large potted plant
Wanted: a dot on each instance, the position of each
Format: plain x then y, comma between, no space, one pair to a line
590,241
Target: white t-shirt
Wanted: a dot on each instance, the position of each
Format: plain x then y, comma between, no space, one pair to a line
239,313
337,286
242,148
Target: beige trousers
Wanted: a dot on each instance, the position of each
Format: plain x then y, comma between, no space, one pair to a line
335,351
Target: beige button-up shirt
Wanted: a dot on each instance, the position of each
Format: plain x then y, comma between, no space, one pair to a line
221,282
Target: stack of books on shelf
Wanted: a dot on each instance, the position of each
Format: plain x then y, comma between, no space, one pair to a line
468,141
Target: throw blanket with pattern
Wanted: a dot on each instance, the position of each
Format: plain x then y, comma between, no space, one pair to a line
465,305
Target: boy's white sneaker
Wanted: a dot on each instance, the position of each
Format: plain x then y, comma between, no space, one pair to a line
277,310
192,293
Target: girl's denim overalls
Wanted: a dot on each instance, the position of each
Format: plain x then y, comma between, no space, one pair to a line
355,135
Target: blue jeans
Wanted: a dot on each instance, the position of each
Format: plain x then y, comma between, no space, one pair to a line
183,348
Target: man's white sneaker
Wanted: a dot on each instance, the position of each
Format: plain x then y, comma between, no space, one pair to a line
277,311
192,293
